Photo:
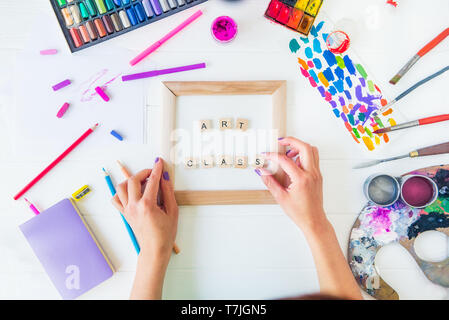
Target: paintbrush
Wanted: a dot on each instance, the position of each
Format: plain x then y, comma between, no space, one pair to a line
432,44
412,88
410,124
427,151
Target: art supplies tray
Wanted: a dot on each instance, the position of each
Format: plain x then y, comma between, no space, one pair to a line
86,23
378,226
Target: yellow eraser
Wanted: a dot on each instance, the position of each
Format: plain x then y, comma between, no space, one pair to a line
81,193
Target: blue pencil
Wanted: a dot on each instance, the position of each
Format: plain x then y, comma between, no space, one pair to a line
128,227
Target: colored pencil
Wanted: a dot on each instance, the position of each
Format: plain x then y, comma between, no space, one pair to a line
167,37
410,124
127,175
32,207
55,162
415,86
432,44
156,73
128,227
442,148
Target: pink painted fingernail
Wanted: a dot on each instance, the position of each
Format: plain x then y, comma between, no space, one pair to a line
156,160
287,152
166,176
258,172
281,138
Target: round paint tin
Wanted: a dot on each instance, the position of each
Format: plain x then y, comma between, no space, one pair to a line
224,29
338,42
382,189
418,191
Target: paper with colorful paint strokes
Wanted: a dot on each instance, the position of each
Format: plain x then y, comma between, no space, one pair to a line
345,84
377,226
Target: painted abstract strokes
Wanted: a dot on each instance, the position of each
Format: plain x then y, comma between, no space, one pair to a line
345,85
376,227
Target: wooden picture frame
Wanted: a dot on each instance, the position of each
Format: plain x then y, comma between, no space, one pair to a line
172,90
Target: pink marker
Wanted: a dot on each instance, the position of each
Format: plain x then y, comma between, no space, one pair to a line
102,94
32,207
63,110
159,43
48,52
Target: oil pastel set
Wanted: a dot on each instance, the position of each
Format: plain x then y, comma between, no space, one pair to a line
345,85
89,22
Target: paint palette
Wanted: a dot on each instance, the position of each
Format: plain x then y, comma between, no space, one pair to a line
376,227
86,23
297,15
345,85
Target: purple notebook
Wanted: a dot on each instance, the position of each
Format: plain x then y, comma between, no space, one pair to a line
67,249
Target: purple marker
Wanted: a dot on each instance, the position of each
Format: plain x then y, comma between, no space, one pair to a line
156,73
61,85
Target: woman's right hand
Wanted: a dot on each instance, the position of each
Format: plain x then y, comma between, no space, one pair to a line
302,199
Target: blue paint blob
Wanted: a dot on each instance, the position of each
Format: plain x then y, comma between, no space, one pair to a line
343,117
313,75
337,113
333,103
317,63
332,90
349,82
317,46
349,65
339,84
348,95
116,135
305,40
294,46
309,53
328,74
340,73
325,35
342,101
330,58
314,31
362,82
319,26
355,109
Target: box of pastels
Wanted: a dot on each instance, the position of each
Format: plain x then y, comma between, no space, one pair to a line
297,15
86,23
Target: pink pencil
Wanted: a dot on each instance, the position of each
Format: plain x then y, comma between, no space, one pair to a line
157,44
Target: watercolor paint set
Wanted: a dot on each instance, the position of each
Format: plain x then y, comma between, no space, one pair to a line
86,23
297,15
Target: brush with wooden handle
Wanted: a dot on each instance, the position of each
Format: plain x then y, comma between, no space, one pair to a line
432,44
428,151
410,124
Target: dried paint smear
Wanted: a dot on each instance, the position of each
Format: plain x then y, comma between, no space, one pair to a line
345,84
378,226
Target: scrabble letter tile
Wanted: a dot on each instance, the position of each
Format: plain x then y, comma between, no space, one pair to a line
205,125
191,163
241,162
259,162
207,162
226,124
225,161
242,124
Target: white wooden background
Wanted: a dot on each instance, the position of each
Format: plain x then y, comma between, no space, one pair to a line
240,251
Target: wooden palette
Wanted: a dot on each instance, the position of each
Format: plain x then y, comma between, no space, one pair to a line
377,226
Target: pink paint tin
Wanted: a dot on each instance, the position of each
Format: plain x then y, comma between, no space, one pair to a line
224,29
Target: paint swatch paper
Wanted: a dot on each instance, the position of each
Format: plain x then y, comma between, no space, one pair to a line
345,84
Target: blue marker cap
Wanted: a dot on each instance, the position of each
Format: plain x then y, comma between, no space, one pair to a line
118,3
125,2
115,134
